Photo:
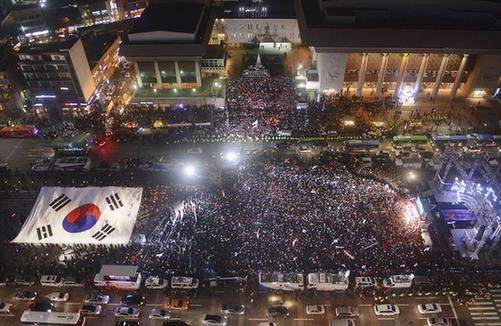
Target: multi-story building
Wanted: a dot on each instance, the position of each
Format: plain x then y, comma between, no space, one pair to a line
94,12
131,8
102,54
58,74
169,49
432,48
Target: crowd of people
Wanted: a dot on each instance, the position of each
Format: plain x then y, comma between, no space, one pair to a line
259,105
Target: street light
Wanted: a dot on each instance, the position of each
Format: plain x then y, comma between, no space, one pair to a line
231,156
189,170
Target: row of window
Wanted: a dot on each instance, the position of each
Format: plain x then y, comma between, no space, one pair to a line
43,68
46,75
37,57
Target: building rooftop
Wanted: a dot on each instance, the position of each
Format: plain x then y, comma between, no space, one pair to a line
182,17
214,51
249,9
455,26
50,47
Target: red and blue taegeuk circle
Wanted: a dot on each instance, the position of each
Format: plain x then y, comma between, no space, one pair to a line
81,218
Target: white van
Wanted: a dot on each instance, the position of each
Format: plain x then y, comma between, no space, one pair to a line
398,281
342,322
184,282
51,280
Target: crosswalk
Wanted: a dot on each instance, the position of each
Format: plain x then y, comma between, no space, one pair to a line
487,311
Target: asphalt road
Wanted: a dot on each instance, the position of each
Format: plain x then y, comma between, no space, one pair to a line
209,301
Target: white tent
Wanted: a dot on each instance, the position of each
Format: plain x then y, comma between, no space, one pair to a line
90,215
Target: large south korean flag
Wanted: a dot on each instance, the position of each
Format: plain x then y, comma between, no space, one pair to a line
90,215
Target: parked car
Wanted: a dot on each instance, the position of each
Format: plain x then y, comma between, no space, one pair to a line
178,303
24,280
6,308
51,280
386,310
97,298
42,306
91,310
154,282
127,323
429,308
365,282
438,321
127,312
233,309
74,282
277,311
315,310
132,299
21,295
58,296
157,313
214,320
346,311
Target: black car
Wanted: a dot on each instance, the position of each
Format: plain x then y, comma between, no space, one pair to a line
132,299
174,323
277,311
42,306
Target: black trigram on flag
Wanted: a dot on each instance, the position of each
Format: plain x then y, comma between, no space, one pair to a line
104,232
114,201
60,202
44,232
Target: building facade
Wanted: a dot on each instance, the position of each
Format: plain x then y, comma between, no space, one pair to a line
58,74
437,48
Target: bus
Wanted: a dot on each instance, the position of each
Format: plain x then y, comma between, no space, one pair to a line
40,318
411,139
362,146
19,132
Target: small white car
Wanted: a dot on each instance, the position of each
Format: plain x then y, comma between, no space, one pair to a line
5,308
267,323
97,298
429,308
51,280
74,282
58,296
386,310
347,311
214,320
91,310
154,282
127,312
438,321
365,282
157,313
315,310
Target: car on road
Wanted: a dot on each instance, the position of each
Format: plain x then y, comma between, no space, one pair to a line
24,280
132,299
177,303
157,313
91,310
3,281
233,309
438,321
174,323
127,312
51,280
214,320
277,311
429,308
6,308
304,149
342,322
127,323
58,296
21,295
154,282
365,282
315,310
386,310
267,323
347,311
195,150
74,282
42,306
97,298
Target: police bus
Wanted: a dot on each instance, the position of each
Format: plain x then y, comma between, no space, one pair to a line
41,318
367,146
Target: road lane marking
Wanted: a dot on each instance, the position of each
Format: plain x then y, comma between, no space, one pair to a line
483,303
14,149
303,319
196,304
483,313
487,324
485,318
258,319
453,308
481,308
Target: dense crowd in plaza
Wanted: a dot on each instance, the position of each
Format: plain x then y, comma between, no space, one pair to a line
259,105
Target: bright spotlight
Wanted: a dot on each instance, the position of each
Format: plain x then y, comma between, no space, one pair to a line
189,170
231,156
411,175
